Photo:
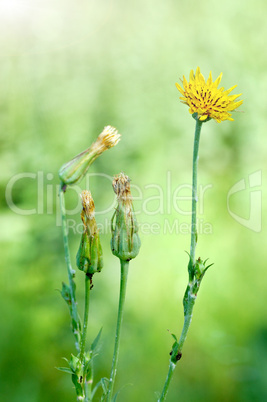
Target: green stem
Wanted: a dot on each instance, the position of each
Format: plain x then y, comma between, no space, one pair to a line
172,365
191,298
84,332
194,192
123,284
71,272
167,382
86,314
187,321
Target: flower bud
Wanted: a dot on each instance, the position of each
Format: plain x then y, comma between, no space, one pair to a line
89,257
75,169
199,268
125,241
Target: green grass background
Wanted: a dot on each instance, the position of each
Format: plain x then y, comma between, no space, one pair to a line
69,68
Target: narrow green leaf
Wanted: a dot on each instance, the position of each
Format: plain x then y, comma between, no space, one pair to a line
65,293
190,267
96,340
65,370
209,266
104,386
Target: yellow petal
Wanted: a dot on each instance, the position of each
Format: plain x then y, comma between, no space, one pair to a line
233,97
230,90
209,81
234,105
218,80
206,99
179,88
185,83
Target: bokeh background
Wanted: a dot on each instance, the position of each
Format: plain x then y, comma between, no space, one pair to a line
68,68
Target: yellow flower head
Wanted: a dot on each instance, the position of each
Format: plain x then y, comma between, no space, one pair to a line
206,99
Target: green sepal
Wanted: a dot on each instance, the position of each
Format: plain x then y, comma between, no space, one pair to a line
75,365
83,254
200,269
196,117
89,258
125,241
74,170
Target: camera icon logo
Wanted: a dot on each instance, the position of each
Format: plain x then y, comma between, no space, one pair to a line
254,221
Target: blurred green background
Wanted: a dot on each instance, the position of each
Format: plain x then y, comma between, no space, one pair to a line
70,68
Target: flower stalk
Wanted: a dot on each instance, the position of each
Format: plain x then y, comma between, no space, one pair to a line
194,190
196,271
68,291
89,260
125,244
123,285
206,101
84,360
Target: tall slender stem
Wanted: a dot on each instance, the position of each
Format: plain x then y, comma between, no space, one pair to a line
194,191
191,299
71,272
123,284
167,382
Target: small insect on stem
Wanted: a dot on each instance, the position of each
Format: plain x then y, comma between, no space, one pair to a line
178,356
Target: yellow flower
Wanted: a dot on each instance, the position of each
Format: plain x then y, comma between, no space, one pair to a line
206,99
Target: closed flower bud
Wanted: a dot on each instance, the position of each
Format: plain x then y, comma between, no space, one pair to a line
200,269
74,170
125,242
89,257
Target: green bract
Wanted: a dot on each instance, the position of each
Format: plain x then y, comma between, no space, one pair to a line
89,257
125,241
74,170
